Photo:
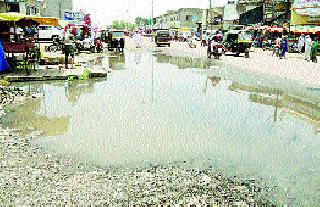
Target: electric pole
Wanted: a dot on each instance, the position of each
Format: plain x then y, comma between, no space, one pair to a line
151,20
210,10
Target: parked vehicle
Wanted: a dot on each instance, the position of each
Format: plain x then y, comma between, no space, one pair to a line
116,40
49,32
85,45
162,38
215,46
238,41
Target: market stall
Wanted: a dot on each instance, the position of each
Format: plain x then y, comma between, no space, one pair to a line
18,32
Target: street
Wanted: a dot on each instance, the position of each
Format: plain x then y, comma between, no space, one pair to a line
167,126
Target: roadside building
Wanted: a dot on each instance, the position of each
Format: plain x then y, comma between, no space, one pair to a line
266,12
230,16
9,6
212,19
305,17
181,20
56,8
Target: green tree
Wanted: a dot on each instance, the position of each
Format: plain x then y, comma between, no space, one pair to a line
115,24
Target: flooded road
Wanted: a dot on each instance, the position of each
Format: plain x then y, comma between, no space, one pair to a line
157,109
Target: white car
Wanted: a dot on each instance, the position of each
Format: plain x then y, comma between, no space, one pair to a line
48,32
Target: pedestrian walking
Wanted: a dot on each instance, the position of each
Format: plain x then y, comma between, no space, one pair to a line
137,39
314,50
308,44
302,43
284,47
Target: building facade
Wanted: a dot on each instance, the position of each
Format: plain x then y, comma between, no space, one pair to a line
184,18
9,6
56,8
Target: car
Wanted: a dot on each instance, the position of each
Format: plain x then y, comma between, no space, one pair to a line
162,38
49,33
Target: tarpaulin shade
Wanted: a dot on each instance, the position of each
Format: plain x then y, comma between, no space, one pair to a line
14,17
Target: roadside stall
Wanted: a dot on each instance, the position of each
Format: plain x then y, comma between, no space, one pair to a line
19,35
18,44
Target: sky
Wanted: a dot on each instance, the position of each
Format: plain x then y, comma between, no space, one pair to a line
104,11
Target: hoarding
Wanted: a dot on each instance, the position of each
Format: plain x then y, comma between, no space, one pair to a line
307,7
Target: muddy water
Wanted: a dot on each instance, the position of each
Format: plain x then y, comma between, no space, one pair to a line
158,109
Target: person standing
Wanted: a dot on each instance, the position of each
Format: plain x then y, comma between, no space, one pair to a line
284,47
308,43
302,43
69,48
314,50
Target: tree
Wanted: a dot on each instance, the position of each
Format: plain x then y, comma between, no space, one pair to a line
138,21
115,24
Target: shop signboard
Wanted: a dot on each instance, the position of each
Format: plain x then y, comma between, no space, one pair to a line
307,7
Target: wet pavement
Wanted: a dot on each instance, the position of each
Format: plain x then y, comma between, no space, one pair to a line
155,109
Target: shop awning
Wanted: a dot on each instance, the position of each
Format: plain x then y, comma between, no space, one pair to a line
14,17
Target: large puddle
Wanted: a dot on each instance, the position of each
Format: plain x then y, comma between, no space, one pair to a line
158,109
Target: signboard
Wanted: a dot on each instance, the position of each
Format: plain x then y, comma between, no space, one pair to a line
307,7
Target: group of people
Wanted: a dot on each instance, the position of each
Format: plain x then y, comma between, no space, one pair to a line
309,47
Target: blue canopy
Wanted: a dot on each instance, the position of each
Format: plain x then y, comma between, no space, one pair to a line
3,62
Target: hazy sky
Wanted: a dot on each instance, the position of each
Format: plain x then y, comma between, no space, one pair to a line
104,11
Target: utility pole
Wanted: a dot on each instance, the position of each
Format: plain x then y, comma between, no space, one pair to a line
151,20
210,8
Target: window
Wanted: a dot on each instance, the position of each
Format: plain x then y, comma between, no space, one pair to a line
27,10
13,7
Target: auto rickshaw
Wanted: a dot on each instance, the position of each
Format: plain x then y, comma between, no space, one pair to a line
238,41
162,37
116,40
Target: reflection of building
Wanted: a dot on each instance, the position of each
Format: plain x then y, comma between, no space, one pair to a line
279,99
183,62
25,116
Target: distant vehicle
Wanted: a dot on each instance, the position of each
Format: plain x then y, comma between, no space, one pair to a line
215,46
49,32
238,41
116,40
162,38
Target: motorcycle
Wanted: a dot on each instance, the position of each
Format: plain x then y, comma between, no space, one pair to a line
215,47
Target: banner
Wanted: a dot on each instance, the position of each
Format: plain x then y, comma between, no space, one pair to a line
307,7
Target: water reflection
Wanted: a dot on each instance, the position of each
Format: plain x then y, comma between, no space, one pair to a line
117,62
214,82
74,89
183,62
281,100
113,125
26,116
